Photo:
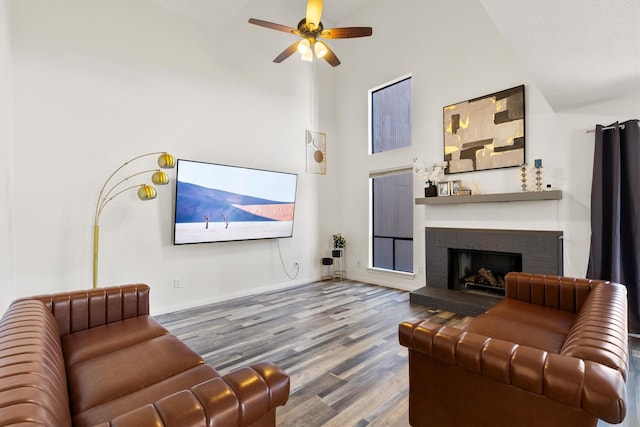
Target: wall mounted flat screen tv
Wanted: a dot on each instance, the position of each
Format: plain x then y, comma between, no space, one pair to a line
221,203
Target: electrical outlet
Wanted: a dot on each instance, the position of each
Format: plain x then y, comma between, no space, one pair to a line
420,270
177,284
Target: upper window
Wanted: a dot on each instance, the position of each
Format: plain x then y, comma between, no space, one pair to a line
391,116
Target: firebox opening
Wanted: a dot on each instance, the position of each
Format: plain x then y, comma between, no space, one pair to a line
481,271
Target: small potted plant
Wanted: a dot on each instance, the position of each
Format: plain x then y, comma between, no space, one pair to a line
339,242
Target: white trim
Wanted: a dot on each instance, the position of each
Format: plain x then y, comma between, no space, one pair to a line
390,171
394,273
389,83
381,173
377,174
370,224
155,311
387,281
369,122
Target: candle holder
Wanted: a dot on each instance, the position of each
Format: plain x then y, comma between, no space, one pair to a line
538,178
523,177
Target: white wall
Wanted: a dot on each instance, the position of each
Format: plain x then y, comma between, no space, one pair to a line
7,289
454,53
97,83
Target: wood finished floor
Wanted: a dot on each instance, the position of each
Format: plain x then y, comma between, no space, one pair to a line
339,344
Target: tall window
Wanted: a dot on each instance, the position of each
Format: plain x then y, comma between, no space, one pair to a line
391,192
392,203
391,116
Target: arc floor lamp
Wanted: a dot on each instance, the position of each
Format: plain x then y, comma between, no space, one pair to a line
145,192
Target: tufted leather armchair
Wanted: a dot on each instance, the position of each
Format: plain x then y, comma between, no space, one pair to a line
96,358
554,352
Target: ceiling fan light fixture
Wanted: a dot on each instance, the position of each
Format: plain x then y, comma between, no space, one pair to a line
320,49
310,29
304,47
307,56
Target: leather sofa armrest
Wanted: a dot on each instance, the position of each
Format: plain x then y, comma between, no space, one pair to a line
79,310
239,398
557,292
592,387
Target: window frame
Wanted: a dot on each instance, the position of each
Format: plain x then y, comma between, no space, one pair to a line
391,155
370,110
372,235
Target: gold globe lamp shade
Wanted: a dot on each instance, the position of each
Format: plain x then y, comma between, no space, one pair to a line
160,178
166,161
145,192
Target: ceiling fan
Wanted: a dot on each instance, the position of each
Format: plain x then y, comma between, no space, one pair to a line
310,29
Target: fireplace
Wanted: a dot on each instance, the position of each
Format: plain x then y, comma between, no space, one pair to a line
481,271
452,252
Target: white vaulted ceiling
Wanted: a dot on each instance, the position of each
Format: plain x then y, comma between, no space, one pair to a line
578,52
212,13
218,13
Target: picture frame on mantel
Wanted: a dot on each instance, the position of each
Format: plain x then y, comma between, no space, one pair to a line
454,187
443,188
485,133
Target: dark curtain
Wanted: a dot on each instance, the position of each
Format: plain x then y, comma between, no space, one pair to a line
615,210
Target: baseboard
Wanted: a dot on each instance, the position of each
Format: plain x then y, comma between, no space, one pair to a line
226,297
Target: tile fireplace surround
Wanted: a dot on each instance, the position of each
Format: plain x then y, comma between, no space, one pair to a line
541,251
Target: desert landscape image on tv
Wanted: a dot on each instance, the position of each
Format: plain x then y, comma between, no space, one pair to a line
218,203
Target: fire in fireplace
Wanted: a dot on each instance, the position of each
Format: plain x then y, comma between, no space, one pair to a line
484,271
539,252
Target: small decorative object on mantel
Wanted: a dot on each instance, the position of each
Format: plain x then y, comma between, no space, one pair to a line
443,189
523,177
454,187
476,188
431,177
537,164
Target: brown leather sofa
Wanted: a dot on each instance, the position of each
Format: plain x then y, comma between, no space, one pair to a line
554,352
96,358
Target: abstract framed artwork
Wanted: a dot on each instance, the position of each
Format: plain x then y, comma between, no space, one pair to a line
485,133
316,151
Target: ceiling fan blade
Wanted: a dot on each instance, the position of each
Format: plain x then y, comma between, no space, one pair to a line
273,26
314,13
331,57
286,53
346,32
